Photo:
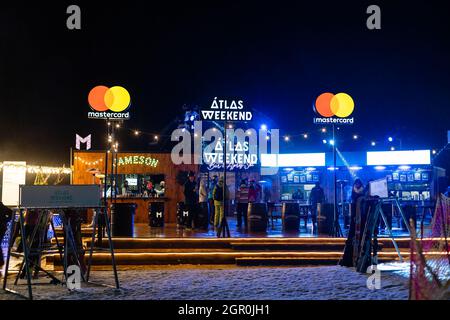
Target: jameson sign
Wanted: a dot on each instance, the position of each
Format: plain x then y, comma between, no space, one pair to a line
226,110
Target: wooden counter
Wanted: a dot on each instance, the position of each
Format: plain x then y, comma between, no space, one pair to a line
143,206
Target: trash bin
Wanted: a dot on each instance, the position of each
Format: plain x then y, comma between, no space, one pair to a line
257,217
325,218
156,214
290,215
182,215
122,219
202,218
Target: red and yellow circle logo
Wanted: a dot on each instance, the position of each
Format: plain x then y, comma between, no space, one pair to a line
116,99
340,105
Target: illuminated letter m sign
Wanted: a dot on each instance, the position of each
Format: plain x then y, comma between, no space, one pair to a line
79,140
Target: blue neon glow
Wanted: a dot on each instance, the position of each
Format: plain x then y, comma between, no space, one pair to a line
386,158
293,160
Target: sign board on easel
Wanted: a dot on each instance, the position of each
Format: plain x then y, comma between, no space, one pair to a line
54,197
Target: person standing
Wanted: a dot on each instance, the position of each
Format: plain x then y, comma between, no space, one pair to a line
252,192
5,216
125,189
242,204
316,198
219,201
191,198
353,240
212,185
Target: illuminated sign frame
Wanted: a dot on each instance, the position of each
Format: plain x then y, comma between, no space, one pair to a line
293,160
393,158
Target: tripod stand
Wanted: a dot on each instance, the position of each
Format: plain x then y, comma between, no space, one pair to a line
369,241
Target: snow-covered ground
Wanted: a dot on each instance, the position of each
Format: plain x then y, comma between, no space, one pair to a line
230,283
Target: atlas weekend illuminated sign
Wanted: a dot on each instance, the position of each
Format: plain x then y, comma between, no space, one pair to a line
138,160
226,110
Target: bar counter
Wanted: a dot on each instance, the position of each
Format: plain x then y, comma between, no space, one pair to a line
142,208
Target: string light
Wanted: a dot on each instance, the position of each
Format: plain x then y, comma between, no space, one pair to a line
38,169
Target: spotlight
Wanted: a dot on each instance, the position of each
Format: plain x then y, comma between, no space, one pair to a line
433,152
156,138
305,136
136,133
267,138
117,126
287,139
332,142
324,130
392,149
324,141
264,127
390,139
373,143
230,126
355,137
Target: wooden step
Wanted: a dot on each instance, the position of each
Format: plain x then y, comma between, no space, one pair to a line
213,258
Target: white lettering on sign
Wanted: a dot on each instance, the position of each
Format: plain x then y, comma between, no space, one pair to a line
185,213
225,110
159,214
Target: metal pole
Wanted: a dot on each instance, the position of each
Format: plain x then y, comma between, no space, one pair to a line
71,165
336,228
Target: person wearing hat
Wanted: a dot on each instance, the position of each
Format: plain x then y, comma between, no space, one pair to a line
219,201
191,197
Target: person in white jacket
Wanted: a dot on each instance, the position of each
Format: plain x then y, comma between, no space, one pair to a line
203,192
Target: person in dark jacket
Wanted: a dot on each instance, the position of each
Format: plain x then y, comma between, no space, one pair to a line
316,198
191,197
242,204
348,258
5,216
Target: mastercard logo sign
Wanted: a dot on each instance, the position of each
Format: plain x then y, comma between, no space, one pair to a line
103,99
329,105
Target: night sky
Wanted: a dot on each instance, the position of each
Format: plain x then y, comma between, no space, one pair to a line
279,57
